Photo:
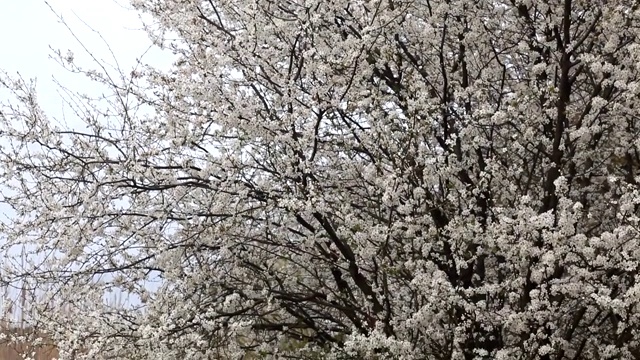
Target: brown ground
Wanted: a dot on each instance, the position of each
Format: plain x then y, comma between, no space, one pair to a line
9,351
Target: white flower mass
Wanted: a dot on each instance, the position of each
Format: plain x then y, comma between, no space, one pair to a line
344,179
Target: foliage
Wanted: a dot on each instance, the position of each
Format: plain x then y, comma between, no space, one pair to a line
392,179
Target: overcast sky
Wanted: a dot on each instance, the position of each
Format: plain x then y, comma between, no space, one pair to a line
29,29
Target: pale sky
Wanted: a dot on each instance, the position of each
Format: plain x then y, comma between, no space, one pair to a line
28,28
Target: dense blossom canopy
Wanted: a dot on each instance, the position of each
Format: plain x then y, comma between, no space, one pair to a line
343,179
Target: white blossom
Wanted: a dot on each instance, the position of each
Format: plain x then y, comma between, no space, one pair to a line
340,180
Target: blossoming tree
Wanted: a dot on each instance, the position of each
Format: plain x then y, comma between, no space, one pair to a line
344,179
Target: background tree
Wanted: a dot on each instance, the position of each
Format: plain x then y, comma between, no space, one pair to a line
389,179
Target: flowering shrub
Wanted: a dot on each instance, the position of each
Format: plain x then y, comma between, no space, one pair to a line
345,179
